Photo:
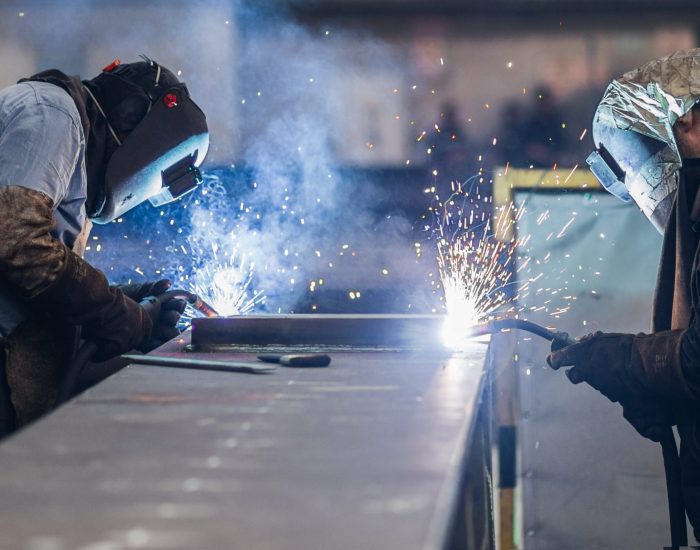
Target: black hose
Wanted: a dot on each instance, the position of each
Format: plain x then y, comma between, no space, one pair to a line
672,463
676,506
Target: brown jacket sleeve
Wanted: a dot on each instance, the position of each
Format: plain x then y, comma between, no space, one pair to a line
47,274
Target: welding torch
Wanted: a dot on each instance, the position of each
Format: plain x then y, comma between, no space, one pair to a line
669,448
192,299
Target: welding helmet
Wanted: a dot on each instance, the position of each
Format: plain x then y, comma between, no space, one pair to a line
636,157
160,134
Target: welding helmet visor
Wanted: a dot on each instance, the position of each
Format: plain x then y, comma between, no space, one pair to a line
159,158
635,167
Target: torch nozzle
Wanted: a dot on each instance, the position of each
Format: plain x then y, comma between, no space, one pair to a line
192,299
204,308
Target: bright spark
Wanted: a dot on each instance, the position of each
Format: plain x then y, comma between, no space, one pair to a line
475,266
227,286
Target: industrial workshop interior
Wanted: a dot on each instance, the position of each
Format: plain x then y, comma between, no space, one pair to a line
349,274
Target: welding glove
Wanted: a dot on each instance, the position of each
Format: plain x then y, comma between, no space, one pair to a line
640,371
651,417
624,366
139,291
164,311
48,276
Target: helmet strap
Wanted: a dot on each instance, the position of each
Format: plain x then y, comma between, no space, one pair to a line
99,108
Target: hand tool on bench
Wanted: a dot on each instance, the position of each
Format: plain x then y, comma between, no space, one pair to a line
303,360
190,362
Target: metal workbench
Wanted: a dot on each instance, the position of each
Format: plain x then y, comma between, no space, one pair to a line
383,449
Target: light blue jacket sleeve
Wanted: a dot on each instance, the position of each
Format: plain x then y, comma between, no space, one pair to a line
39,145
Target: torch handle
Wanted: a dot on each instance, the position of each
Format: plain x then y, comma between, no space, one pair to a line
562,339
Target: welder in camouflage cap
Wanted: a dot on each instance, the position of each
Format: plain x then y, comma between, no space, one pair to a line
647,137
72,151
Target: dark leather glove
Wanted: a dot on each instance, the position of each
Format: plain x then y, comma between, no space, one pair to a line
139,291
110,319
622,366
164,311
602,361
649,416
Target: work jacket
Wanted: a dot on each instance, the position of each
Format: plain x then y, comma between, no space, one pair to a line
42,149
677,307
46,288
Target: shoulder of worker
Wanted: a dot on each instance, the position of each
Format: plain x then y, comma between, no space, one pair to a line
41,139
52,102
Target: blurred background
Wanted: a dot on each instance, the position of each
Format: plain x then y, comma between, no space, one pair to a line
337,125
343,113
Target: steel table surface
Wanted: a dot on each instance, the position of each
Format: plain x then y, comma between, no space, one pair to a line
365,454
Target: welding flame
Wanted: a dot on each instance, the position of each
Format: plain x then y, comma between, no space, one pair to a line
227,287
475,258
461,313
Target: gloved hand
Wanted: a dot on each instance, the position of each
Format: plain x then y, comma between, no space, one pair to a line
139,291
164,311
623,366
649,416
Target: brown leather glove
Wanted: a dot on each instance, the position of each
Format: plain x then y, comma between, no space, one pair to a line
622,366
83,297
50,277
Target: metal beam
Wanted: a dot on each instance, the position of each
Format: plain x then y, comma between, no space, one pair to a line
356,331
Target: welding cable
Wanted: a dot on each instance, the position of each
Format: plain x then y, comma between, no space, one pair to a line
676,504
672,464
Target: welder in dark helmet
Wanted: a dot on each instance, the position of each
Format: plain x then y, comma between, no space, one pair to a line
72,152
647,137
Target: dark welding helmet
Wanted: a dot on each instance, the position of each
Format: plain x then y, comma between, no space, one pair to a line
161,133
635,167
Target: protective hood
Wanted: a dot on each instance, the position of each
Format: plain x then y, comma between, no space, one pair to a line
160,133
636,156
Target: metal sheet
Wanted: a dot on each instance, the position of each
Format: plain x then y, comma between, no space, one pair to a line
388,331
368,453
